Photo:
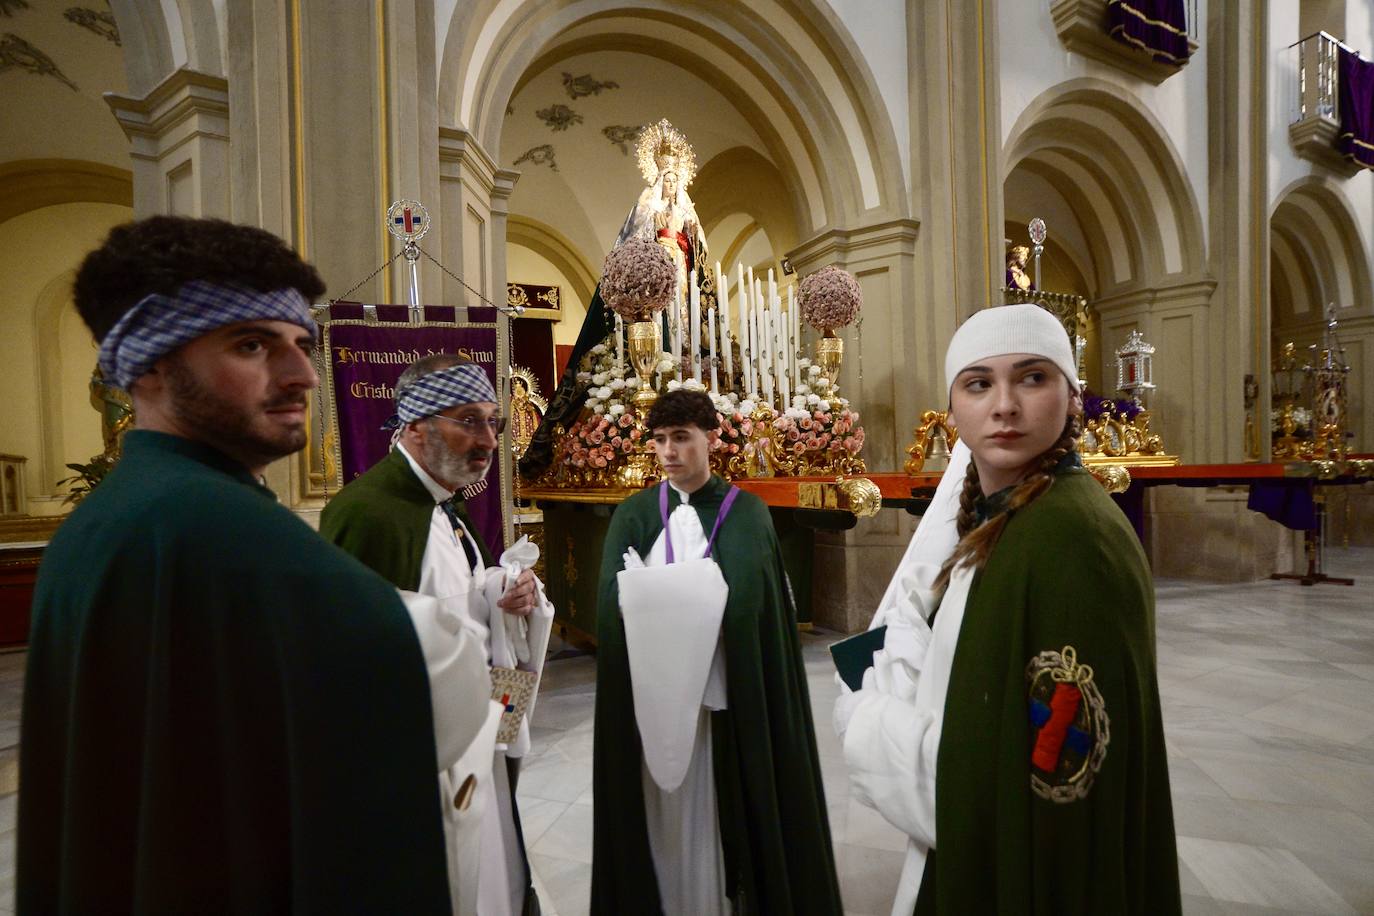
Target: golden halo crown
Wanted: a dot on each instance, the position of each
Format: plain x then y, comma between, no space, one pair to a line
663,144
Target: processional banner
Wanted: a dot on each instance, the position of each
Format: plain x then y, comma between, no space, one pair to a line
366,357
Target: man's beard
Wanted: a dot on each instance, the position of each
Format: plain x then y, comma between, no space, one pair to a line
452,467
230,427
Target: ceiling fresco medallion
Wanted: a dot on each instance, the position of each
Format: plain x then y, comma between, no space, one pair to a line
582,86
558,117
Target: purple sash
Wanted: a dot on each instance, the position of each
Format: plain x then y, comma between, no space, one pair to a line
715,529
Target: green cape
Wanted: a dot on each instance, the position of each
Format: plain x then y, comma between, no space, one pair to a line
773,821
222,713
382,517
1068,571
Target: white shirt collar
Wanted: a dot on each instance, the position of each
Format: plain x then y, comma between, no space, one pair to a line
436,489
686,497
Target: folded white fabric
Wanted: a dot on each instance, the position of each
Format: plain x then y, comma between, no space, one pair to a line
517,558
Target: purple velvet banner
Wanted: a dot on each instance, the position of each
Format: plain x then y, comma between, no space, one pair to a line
1157,27
366,360
1356,84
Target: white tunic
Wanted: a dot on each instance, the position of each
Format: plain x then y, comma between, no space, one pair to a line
891,728
684,828
486,869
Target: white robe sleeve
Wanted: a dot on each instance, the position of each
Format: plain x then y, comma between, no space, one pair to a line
459,679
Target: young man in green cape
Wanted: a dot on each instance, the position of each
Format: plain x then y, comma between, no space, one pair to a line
222,713
707,797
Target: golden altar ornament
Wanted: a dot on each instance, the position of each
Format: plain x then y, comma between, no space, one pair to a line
931,441
646,343
830,353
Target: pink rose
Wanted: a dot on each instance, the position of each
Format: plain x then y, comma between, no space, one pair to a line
634,435
734,449
793,435
626,446
746,426
599,462
625,420
799,447
596,437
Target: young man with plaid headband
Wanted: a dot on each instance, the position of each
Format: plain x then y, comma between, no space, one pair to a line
222,712
405,518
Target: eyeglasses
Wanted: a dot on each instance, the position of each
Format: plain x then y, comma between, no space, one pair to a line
473,425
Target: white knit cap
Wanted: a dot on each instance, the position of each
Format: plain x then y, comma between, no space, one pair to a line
1007,329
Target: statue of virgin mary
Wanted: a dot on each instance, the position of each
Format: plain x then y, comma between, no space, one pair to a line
665,213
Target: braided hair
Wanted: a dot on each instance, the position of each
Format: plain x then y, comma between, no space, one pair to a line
977,541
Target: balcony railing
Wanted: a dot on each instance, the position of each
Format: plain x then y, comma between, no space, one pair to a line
1314,86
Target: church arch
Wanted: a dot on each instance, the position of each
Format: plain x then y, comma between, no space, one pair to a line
1108,157
159,38
29,184
554,247
1318,254
793,72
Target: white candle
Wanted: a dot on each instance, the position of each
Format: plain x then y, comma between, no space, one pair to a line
675,335
767,376
723,292
775,310
619,344
711,322
754,352
743,299
795,350
695,337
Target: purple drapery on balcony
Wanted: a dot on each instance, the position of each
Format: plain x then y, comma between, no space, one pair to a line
1157,27
1356,82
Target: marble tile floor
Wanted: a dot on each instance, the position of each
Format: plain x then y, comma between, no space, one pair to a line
1268,692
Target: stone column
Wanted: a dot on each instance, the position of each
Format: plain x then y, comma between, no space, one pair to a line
475,197
179,143
1238,223
881,354
1178,318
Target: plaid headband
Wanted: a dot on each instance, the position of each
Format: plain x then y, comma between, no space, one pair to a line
158,324
465,383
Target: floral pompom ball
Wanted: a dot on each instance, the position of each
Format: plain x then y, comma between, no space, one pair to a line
638,280
830,298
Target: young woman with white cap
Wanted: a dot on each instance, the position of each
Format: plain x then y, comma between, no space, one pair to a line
1011,720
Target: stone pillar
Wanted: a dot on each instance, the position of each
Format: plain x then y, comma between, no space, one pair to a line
956,170
179,143
1178,319
474,201
1238,225
881,353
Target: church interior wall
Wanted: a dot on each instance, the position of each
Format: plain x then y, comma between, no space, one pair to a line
1032,60
46,354
524,265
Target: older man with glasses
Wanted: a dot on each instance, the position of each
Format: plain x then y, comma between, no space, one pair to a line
405,518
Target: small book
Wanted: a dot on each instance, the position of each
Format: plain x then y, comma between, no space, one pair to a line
854,656
513,689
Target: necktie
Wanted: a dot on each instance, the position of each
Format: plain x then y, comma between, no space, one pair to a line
463,537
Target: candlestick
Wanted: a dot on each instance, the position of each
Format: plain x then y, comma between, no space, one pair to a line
619,344
767,376
695,336
795,350
755,380
711,322
727,351
743,299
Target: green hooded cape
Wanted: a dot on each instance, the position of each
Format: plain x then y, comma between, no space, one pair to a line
222,713
1068,571
773,823
382,517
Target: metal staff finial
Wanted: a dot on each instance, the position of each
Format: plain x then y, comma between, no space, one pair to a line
408,220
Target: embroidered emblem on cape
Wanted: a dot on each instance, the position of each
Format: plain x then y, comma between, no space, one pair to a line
1069,726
